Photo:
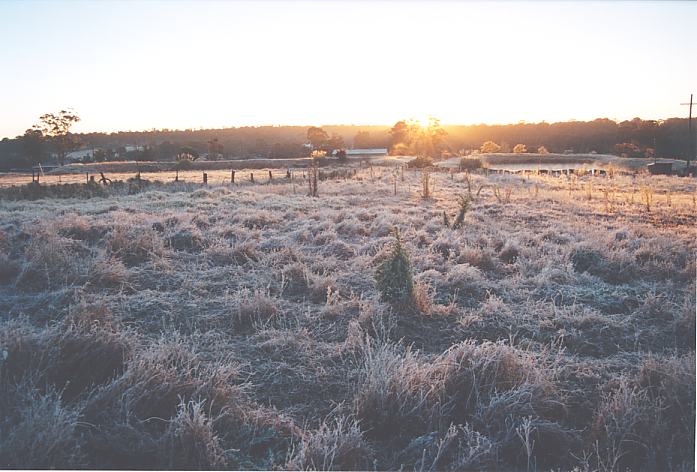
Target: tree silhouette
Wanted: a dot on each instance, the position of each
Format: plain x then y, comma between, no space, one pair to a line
34,145
490,146
317,137
362,140
400,134
56,127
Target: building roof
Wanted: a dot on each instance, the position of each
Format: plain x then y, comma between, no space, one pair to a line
366,152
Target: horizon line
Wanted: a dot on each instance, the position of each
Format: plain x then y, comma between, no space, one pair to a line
277,125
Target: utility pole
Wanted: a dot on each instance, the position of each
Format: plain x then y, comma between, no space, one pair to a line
691,145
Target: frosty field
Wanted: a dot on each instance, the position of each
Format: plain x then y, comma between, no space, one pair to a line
239,326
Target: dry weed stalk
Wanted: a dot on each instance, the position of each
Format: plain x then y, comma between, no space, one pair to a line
425,183
589,191
647,197
504,197
468,181
313,172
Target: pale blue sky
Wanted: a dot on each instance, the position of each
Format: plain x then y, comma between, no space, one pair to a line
141,65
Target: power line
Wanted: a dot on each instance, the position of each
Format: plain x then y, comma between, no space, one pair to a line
691,144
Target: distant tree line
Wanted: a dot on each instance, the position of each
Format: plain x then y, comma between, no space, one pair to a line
51,141
633,138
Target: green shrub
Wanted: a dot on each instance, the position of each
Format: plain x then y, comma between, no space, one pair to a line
183,164
393,276
470,163
420,162
464,206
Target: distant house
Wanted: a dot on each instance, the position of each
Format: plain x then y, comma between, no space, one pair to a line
79,156
374,152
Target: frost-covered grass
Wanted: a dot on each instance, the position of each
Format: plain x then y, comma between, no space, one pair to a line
180,326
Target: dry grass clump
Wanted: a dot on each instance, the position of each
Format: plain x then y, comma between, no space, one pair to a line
170,410
647,421
466,280
480,258
295,279
192,441
107,273
509,253
37,431
340,250
135,245
222,254
612,267
72,357
255,219
186,239
335,445
298,282
403,397
256,308
9,269
52,261
81,229
458,448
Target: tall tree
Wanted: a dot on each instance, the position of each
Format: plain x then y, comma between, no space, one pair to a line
215,149
317,137
56,126
400,133
335,142
362,140
34,145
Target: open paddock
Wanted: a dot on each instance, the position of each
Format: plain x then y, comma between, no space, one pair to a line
554,326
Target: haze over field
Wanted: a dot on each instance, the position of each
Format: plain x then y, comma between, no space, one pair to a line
132,66
207,293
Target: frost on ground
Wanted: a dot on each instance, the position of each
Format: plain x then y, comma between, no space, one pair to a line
177,326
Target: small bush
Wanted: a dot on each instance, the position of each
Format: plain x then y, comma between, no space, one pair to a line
393,276
464,204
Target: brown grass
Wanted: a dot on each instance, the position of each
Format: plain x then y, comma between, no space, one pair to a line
171,326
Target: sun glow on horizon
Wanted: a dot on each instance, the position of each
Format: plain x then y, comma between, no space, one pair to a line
180,65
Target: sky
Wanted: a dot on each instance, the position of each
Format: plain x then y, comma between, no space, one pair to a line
127,65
